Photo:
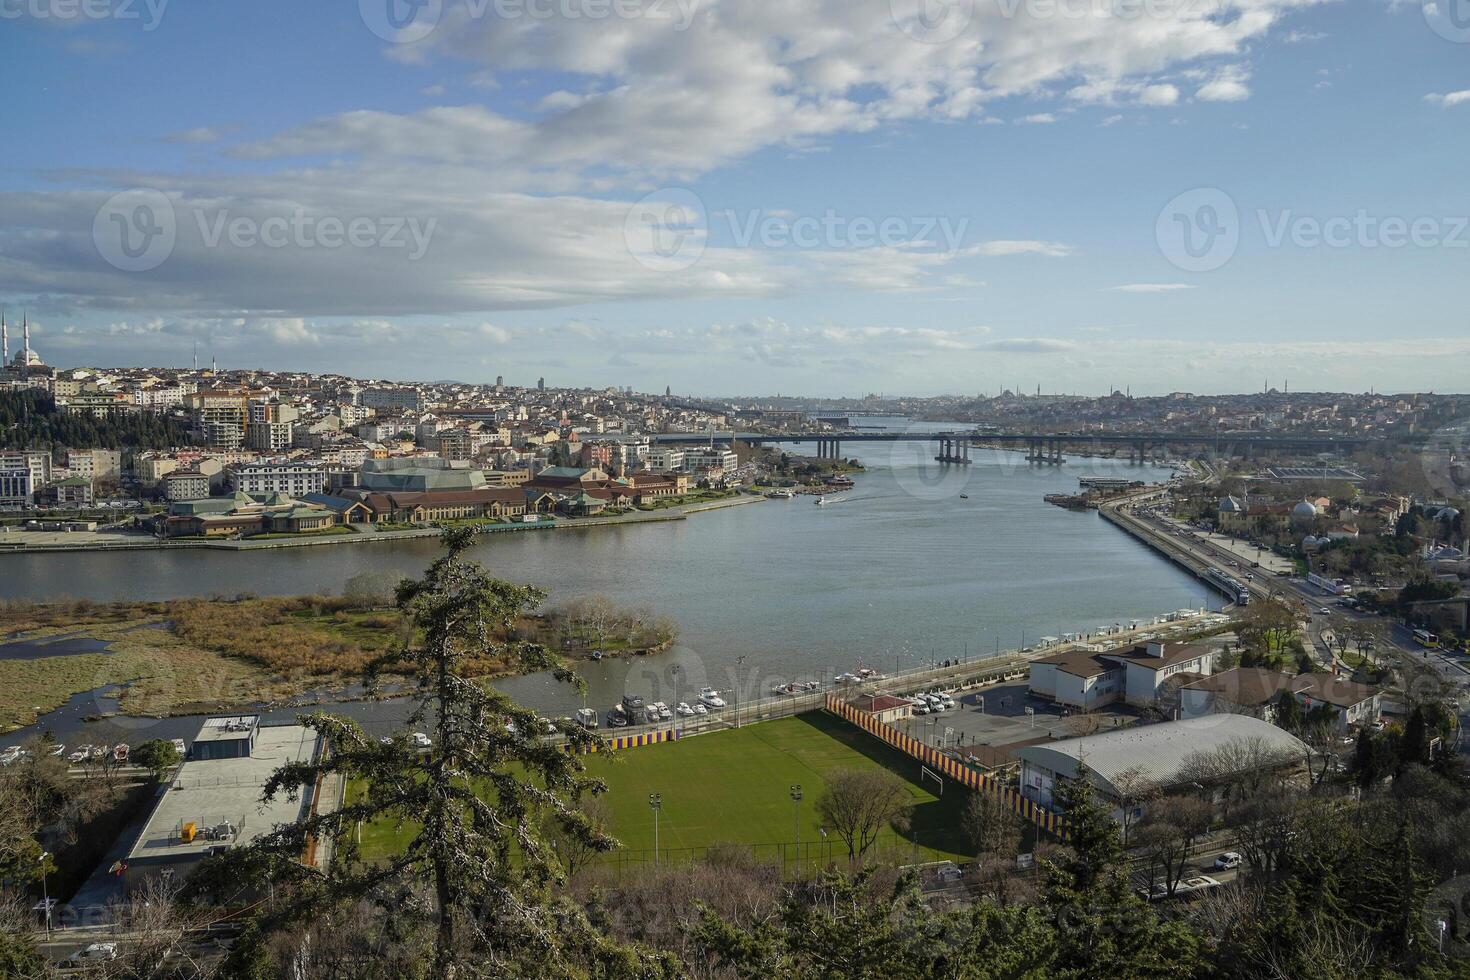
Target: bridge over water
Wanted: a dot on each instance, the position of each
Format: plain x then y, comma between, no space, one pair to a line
954,446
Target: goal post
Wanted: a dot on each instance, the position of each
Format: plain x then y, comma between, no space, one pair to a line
926,773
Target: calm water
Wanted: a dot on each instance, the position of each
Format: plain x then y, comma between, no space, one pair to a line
894,573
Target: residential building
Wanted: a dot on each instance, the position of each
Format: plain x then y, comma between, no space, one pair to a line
269,425
294,479
95,464
74,491
392,398
185,485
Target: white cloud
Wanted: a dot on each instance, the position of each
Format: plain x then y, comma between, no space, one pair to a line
1151,287
1111,121
1159,95
1228,85
1449,99
1038,119
1054,250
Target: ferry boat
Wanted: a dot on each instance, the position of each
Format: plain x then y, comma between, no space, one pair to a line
781,495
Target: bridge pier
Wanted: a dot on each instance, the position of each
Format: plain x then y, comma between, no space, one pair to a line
954,450
828,448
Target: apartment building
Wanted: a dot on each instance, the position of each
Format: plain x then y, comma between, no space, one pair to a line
269,425
294,479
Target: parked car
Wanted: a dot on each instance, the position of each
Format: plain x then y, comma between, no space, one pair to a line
95,953
1228,860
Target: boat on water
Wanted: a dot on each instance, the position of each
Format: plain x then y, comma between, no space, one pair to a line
821,501
964,496
120,752
711,698
781,495
586,717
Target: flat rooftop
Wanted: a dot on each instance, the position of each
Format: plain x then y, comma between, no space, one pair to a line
227,729
213,791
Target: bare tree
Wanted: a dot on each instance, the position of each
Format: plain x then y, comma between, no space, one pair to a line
1169,832
860,803
1240,768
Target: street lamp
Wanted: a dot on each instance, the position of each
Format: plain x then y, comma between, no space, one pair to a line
655,803
796,801
45,894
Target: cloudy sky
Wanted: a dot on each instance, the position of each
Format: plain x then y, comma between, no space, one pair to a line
817,196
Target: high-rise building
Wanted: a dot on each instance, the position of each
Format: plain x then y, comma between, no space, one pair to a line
269,425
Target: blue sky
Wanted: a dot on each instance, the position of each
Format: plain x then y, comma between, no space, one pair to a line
730,198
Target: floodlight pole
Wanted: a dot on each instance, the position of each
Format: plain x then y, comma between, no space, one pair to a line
655,803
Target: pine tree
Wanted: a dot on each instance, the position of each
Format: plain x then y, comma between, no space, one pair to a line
476,802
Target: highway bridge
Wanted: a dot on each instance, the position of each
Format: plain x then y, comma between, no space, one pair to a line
1040,446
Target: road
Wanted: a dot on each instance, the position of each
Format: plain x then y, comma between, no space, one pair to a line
1137,514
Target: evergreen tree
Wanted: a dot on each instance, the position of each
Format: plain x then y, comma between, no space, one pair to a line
476,802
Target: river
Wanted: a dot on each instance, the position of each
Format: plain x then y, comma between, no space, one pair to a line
896,572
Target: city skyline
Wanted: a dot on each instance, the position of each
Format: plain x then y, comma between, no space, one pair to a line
845,199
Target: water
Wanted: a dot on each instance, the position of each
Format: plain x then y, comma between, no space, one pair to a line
894,573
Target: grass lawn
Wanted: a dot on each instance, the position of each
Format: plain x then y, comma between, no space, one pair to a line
734,786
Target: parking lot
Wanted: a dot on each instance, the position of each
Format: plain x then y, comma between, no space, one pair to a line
996,715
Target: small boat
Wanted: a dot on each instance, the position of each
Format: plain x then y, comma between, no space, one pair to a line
120,752
710,698
821,501
781,495
180,747
422,741
662,710
964,496
596,654
56,749
80,755
845,679
683,710
616,718
586,717
699,709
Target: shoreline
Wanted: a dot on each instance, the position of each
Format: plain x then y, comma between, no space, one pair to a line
678,512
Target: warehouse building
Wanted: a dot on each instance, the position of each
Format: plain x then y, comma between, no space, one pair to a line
1125,763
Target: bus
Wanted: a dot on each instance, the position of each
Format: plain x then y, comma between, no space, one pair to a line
1426,639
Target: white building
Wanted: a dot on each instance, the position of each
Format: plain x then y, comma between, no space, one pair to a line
185,485
710,460
1126,763
665,459
1138,675
95,464
293,479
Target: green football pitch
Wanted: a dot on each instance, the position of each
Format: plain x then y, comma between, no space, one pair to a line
734,786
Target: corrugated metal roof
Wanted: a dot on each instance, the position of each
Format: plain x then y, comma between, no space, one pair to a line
1155,754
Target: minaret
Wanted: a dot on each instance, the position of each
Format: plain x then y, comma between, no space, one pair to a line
4,341
25,332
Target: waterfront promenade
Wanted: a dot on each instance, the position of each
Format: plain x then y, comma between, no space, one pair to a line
13,540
